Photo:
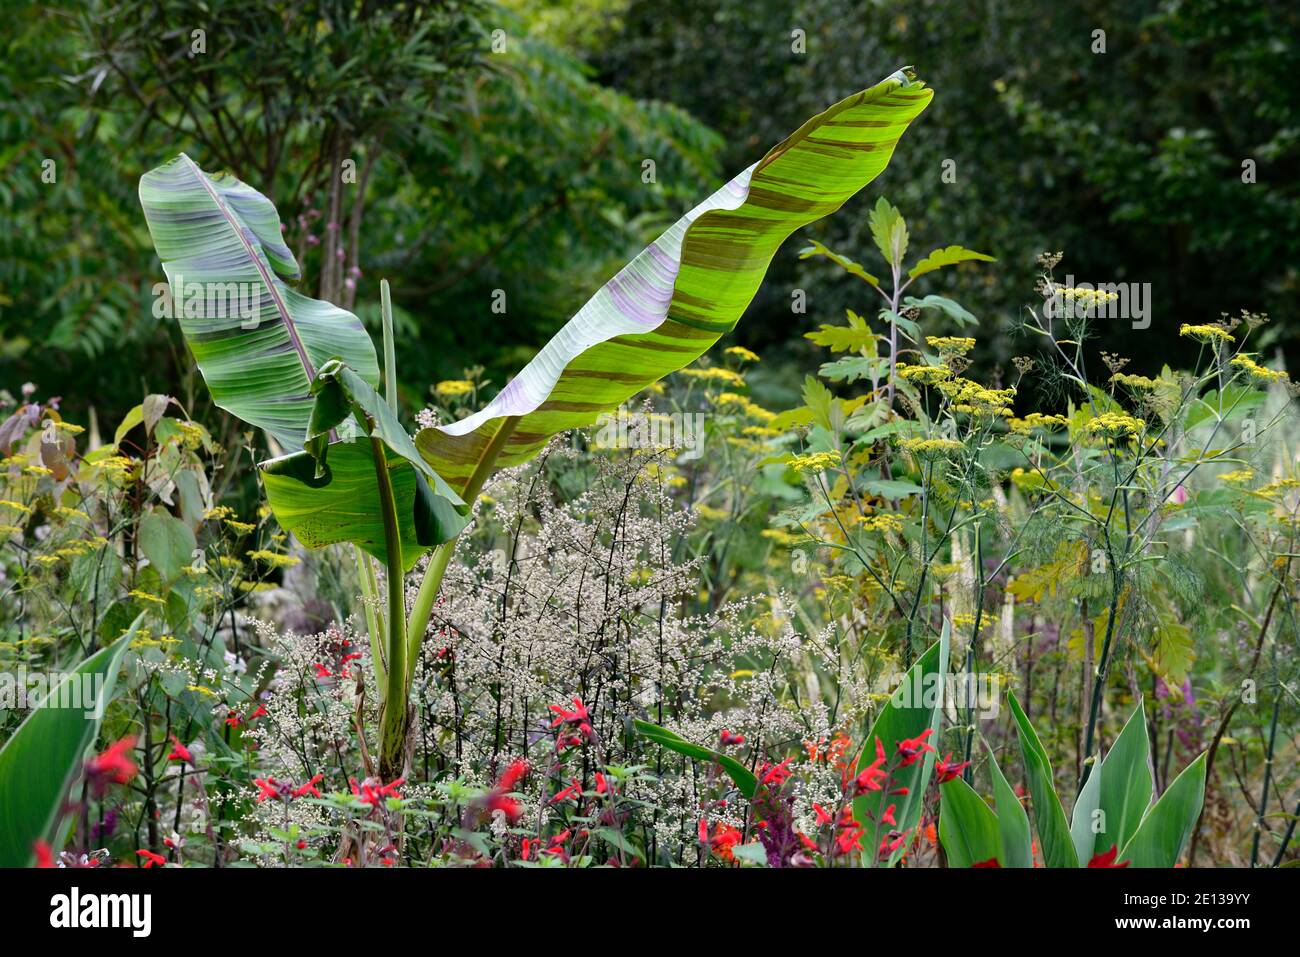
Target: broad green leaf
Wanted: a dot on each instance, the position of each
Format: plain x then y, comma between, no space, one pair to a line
968,830
344,506
947,256
328,492
672,302
167,542
1163,832
1081,824
815,248
889,230
752,853
916,704
257,341
43,759
854,337
1049,816
1125,783
1017,848
740,775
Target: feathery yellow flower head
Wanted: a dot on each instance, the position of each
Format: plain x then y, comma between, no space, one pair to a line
954,345
453,388
1115,425
1206,333
742,353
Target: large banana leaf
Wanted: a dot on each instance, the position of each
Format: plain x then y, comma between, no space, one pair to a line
1159,839
689,287
43,759
257,341
327,493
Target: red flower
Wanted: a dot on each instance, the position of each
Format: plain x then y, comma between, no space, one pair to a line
516,772
269,789
991,862
301,845
113,766
232,719
374,794
44,856
322,671
577,716
911,749
602,786
150,859
1107,859
888,816
728,738
308,788
258,713
823,815
723,840
776,774
180,752
574,790
948,771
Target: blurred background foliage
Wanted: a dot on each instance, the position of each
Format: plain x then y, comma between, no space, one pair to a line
502,147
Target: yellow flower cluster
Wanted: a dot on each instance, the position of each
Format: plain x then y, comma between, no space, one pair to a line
924,375
1206,333
931,446
452,388
815,462
743,405
782,537
1088,297
956,345
1237,477
274,559
974,399
742,353
1257,371
881,522
1116,424
1133,381
726,376
1036,420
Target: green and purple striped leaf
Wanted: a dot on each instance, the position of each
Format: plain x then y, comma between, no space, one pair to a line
257,341
675,299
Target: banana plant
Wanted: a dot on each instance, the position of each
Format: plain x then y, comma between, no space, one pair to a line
1113,823
306,372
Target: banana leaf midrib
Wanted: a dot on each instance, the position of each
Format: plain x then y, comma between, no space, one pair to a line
267,279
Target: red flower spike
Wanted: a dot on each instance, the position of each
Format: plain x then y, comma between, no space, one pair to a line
150,859
947,771
114,766
912,749
728,739
308,788
180,752
44,856
269,789
888,816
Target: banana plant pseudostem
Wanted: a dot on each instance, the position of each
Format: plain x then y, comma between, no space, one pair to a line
306,372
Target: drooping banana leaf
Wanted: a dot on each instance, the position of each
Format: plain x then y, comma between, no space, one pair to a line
257,341
666,307
327,493
1126,784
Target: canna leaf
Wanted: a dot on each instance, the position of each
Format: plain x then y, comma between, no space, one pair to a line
690,286
1049,816
968,830
43,759
915,706
1126,783
1160,837
1017,849
740,775
257,341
